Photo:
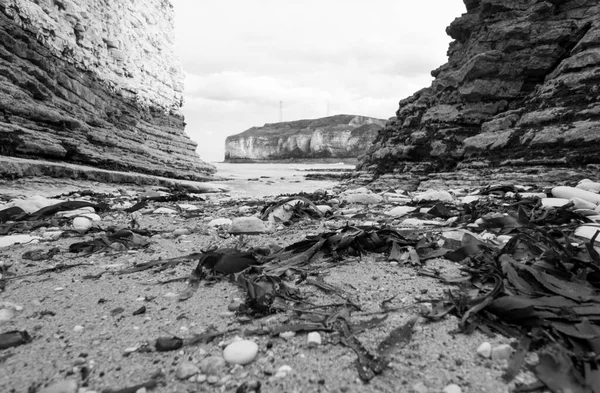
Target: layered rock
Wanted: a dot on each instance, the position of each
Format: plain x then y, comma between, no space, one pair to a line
338,137
521,87
95,83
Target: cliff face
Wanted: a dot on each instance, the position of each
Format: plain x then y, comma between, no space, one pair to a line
340,136
94,82
521,86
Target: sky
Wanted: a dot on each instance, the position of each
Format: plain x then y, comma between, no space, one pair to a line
251,62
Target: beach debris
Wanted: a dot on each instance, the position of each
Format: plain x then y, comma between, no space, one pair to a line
240,352
290,210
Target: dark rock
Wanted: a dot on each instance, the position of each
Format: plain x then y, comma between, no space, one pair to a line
520,88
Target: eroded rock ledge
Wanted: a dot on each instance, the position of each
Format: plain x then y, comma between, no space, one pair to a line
94,83
333,137
521,87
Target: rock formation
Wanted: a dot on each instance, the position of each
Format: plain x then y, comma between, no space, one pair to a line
338,137
521,87
94,82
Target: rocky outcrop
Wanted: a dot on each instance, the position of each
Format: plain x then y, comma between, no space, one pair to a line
521,87
339,137
94,82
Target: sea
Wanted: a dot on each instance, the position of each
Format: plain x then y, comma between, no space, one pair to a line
261,179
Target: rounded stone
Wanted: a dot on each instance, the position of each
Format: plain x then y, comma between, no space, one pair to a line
211,365
240,352
82,224
186,370
502,352
485,350
452,388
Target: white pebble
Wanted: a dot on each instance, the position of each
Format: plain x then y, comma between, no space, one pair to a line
287,335
501,352
570,192
313,339
452,388
82,224
485,350
78,328
240,352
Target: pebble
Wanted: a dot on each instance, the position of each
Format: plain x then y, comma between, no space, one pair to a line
400,211
588,185
181,232
470,198
435,195
579,203
248,225
186,370
78,328
287,335
66,386
212,365
502,352
6,314
82,224
201,378
164,210
550,203
9,240
570,192
218,222
240,352
587,231
485,350
212,379
313,339
420,387
452,388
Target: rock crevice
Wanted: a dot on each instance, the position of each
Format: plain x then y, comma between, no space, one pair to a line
520,85
94,83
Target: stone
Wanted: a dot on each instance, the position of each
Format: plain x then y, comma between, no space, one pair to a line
82,224
435,195
164,210
240,352
470,198
550,203
212,365
186,370
248,226
572,192
452,388
502,352
31,204
65,386
9,240
588,232
579,203
588,185
419,387
485,350
313,339
361,195
218,222
400,211
78,328
324,208
340,136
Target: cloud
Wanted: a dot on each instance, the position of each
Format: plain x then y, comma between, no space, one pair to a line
242,58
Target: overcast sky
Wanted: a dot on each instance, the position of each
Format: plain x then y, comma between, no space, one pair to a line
318,57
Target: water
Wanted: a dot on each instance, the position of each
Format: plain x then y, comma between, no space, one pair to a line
257,180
